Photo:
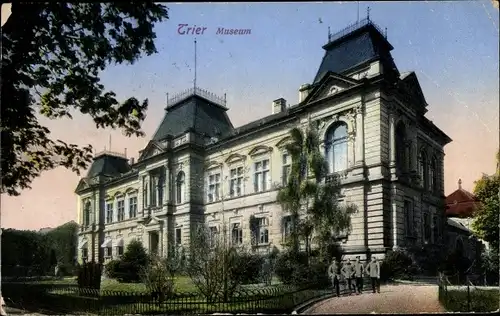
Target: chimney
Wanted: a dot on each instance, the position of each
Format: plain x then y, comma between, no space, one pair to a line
304,92
279,105
132,161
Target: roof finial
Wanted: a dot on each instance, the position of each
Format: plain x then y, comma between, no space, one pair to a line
194,64
385,33
460,184
368,13
329,35
357,20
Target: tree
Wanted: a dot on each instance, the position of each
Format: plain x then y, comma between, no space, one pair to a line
52,55
134,260
216,266
63,239
486,219
309,197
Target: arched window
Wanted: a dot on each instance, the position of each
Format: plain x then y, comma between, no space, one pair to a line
402,148
180,185
336,147
433,175
86,213
422,168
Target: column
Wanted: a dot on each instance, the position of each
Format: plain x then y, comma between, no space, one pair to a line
394,219
360,137
392,136
166,193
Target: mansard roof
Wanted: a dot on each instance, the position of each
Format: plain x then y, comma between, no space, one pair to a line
194,113
108,164
355,46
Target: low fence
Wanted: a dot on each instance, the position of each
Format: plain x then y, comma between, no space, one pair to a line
467,296
64,298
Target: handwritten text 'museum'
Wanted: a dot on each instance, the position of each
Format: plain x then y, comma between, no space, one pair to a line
186,29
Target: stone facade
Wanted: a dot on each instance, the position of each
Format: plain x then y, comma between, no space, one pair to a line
228,175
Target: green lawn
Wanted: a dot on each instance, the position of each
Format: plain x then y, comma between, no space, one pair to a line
481,300
183,284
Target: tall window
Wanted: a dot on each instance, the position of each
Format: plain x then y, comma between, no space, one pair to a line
109,212
422,168
427,227
263,230
261,176
213,187
154,189
86,214
286,169
336,147
287,227
85,253
435,228
119,250
132,207
236,234
236,182
161,186
402,148
144,192
178,236
121,209
180,187
213,235
408,214
433,175
108,252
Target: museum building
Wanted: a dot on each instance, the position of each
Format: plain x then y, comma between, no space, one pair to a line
199,168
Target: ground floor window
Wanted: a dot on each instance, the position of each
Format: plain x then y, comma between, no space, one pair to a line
178,236
108,252
263,230
236,234
119,250
85,254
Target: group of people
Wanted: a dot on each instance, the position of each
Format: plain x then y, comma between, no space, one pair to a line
349,272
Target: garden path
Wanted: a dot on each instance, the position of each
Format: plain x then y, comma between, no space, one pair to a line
392,299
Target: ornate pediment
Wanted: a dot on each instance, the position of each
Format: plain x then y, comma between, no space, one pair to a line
283,142
330,85
82,185
212,165
260,149
233,158
151,150
151,221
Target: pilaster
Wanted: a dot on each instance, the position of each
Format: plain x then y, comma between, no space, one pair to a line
360,137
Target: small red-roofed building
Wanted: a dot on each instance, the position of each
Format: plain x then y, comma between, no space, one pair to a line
461,206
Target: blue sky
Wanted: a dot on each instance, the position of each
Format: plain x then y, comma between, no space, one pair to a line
452,46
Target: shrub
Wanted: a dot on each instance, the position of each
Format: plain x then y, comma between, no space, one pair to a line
457,263
89,275
158,279
429,258
397,264
129,267
112,269
250,267
292,267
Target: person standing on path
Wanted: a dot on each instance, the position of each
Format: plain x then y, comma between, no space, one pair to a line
373,269
334,274
359,271
348,273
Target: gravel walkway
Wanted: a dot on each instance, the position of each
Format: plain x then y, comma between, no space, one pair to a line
392,299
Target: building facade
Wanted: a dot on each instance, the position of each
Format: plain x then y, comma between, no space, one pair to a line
198,168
